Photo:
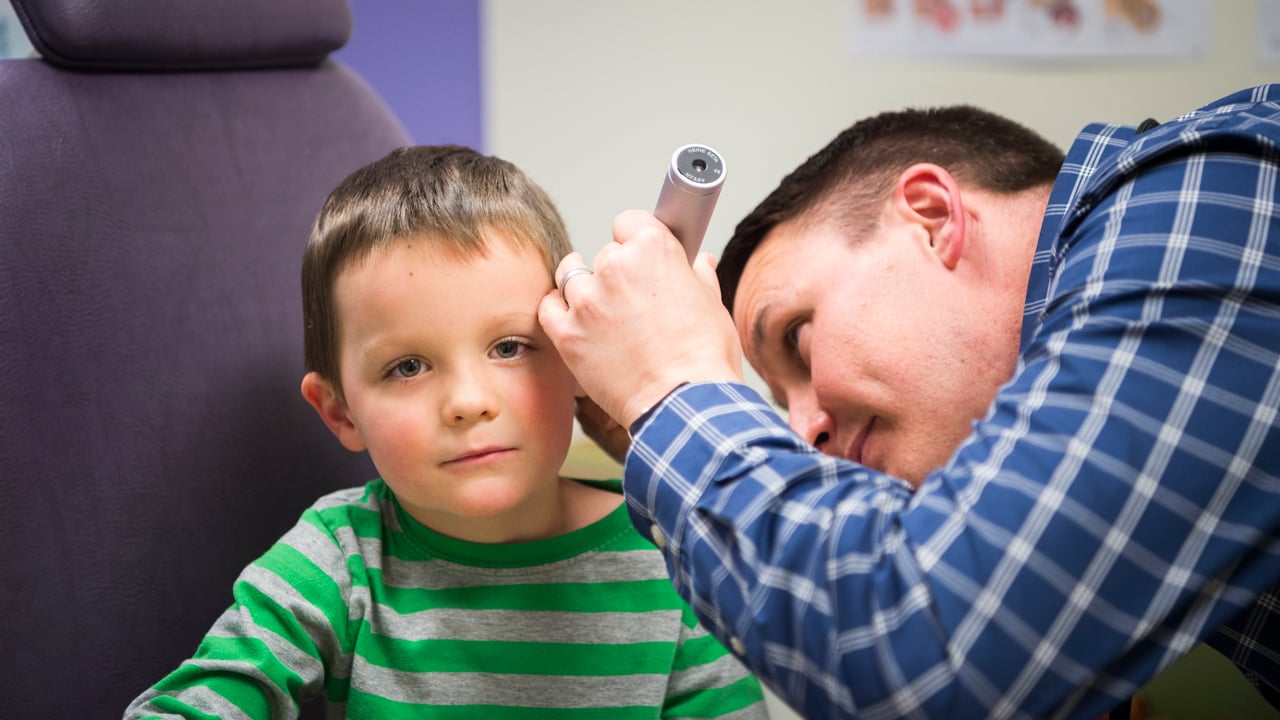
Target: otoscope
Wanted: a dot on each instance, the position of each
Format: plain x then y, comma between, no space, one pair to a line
689,193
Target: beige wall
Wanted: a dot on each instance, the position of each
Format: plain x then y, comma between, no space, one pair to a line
592,96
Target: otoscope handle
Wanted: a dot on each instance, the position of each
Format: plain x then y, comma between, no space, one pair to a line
689,193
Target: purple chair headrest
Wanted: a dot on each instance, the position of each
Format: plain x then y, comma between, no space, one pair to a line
185,35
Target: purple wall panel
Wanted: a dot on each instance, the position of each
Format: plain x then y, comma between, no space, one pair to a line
423,57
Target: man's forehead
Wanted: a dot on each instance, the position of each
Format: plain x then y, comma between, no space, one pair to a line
774,262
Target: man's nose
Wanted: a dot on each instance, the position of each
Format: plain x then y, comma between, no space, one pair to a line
813,424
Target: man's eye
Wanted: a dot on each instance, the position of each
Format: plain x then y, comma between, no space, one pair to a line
509,349
407,368
791,337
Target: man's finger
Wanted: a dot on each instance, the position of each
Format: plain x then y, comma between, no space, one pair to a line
552,316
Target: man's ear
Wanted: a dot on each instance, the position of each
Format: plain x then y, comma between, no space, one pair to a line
332,409
928,196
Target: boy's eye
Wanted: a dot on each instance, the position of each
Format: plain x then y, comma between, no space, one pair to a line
508,349
407,368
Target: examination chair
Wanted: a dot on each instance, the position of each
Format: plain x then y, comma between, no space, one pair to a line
160,167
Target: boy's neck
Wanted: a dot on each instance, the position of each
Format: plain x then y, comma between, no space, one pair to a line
568,505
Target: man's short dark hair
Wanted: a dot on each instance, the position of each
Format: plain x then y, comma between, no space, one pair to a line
850,179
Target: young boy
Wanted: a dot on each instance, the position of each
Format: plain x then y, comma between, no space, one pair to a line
470,580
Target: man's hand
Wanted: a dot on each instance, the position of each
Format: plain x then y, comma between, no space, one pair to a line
644,323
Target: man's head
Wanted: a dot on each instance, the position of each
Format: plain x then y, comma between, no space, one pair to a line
452,196
878,290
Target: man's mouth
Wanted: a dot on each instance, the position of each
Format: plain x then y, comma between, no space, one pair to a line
857,449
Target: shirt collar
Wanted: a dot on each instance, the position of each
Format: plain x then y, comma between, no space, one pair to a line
1095,145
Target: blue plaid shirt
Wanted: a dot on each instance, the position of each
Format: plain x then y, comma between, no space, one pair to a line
1119,502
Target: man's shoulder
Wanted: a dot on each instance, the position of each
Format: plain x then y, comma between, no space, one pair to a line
1105,155
1098,144
1251,115
1238,101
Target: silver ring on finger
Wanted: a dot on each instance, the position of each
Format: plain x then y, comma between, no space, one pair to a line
570,274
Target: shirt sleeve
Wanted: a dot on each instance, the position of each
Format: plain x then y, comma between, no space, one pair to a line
266,655
1118,503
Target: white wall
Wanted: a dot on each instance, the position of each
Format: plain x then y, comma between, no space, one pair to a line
591,96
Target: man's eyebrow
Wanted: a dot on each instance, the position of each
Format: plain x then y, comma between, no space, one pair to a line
757,330
757,347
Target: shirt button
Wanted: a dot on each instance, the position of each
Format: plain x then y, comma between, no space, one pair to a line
736,645
658,538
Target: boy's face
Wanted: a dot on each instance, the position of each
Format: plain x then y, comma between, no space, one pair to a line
462,402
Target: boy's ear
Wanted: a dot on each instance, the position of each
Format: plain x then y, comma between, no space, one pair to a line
322,396
929,197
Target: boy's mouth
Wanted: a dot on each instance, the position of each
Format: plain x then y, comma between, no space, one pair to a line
478,455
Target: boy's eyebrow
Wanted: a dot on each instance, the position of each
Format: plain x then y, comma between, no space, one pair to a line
527,318
528,321
518,314
373,348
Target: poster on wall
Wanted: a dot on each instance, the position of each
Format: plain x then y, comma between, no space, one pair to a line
1032,28
1268,41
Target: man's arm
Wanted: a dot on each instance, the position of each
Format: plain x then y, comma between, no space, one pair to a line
1119,502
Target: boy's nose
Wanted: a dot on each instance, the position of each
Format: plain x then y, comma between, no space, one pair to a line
469,398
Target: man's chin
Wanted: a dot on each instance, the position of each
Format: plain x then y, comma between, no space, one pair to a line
913,473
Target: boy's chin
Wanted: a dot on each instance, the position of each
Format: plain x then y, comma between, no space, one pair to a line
494,510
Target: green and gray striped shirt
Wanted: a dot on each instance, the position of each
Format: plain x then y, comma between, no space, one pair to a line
384,618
